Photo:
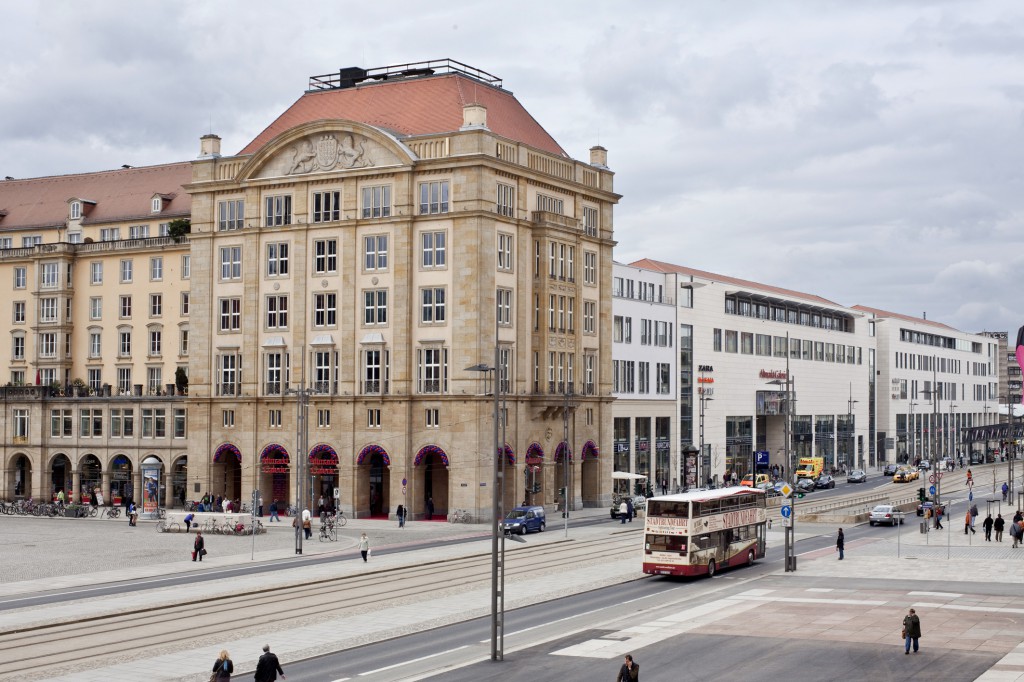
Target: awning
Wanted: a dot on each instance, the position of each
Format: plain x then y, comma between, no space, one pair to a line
323,340
625,475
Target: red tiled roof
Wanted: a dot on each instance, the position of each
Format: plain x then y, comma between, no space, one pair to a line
418,106
123,194
659,266
909,318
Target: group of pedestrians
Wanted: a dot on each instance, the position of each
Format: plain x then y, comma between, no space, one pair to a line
626,510
267,668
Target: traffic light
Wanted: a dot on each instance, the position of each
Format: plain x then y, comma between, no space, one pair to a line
920,494
536,488
800,496
561,492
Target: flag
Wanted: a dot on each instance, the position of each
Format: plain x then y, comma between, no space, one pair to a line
1020,357
38,378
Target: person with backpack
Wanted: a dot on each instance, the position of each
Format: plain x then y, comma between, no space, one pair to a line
630,670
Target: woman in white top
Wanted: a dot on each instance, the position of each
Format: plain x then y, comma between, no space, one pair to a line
364,546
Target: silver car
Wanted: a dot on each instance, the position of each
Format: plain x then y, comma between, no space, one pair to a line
885,513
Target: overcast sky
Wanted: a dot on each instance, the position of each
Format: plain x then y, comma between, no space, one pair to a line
868,152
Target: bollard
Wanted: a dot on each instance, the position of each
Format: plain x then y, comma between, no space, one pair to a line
924,527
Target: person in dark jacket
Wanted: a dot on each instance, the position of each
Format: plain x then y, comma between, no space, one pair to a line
198,547
987,525
630,511
998,525
223,667
911,630
630,670
268,667
840,543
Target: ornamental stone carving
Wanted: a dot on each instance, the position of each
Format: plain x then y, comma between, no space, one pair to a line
322,152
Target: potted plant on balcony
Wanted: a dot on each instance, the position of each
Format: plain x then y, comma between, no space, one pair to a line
178,228
79,387
181,381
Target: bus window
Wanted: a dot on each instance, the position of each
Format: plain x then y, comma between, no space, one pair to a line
666,543
671,509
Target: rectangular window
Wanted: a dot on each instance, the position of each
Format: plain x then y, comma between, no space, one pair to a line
186,299
375,248
60,423
138,232
505,248
433,305
182,342
664,378
377,201
372,372
230,214
323,419
156,305
505,307
589,317
231,262
154,380
325,310
373,418
95,344
432,418
506,200
124,344
230,314
325,256
48,345
550,204
590,220
274,419
228,370
126,271
19,312
20,278
180,423
589,267
124,381
433,197
94,379
156,269
277,312
91,423
125,310
227,420
110,234
20,423
18,348
274,370
375,306
277,260
433,370
433,249
49,276
156,341
96,273
279,210
186,267
48,309
326,206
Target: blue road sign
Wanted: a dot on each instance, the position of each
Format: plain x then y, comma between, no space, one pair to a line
786,511
931,490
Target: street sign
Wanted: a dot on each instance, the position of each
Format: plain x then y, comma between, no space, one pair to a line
931,490
785,510
931,479
786,490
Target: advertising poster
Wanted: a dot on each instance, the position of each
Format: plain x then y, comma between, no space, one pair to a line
150,488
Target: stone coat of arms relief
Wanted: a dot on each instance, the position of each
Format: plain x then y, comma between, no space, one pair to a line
327,152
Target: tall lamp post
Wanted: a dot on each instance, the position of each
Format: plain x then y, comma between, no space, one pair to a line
790,530
851,432
702,397
302,451
912,433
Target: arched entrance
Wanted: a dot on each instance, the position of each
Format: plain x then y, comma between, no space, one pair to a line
533,474
21,483
323,472
60,476
120,480
590,474
91,477
226,473
431,466
373,488
562,452
179,480
509,494
275,464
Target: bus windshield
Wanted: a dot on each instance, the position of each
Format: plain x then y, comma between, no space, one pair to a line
678,510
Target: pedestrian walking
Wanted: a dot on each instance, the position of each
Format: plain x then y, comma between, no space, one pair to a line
1006,489
307,523
188,521
630,670
364,546
273,512
911,630
974,515
259,506
1017,530
999,524
400,513
987,525
630,511
60,499
623,511
268,667
939,511
133,513
430,509
222,668
840,543
198,547
967,523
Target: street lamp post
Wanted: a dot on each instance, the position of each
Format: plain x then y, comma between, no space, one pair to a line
704,399
851,432
790,529
302,451
912,433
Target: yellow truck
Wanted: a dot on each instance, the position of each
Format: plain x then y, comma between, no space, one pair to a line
810,467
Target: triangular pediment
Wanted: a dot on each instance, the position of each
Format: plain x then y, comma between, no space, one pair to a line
327,150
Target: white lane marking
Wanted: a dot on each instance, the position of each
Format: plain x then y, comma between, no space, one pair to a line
342,679
951,595
819,589
983,609
413,660
810,600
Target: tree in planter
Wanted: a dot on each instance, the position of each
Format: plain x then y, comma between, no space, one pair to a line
178,228
78,385
181,380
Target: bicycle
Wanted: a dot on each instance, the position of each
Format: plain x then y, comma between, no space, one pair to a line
161,513
164,526
459,516
328,533
112,512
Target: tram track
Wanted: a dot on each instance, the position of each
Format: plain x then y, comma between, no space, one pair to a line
44,648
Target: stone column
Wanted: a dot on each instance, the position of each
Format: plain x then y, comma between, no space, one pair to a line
105,486
76,486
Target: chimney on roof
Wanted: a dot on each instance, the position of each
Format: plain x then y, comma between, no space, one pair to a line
209,145
599,156
474,117
924,316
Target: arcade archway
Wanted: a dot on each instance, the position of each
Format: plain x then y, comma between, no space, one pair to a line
431,467
590,474
533,474
120,480
563,475
226,472
90,477
60,477
21,481
275,468
373,487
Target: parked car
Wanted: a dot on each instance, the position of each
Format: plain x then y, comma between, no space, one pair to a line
769,488
885,513
825,481
890,469
522,520
761,478
639,504
805,485
857,476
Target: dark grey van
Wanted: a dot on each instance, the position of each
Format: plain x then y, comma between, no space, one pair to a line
522,520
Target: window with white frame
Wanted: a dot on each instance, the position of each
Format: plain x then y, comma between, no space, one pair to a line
589,267
323,419
230,262
550,204
125,308
589,317
433,249
373,418
6,243
432,370
124,380
274,419
90,423
230,214
230,314
433,197
375,306
277,312
375,249
95,344
324,375
432,418
506,200
48,309
60,423
183,341
644,377
325,310
18,377
76,210
432,301
19,312
375,371
228,371
505,307
277,260
154,379
589,373
138,232
94,378
49,275
274,373
48,345
278,210
126,271
186,267
18,347
664,379
110,234
227,418
96,273
156,268
590,221
156,305
20,423
377,201
20,278
158,204
325,256
163,230
180,423
326,206
29,242
124,343
505,246
156,342
186,299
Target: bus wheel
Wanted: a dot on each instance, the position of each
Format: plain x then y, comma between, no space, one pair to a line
750,558
711,568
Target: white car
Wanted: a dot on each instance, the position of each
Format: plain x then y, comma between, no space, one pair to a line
885,513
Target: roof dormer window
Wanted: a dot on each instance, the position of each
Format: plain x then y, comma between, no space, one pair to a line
76,210
158,204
